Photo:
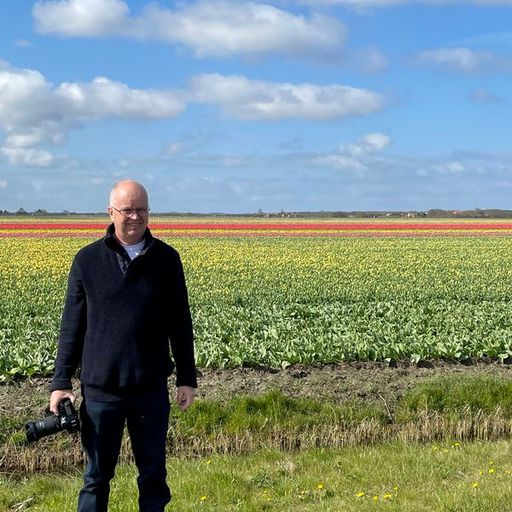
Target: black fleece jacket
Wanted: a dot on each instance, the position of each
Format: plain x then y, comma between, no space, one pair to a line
120,316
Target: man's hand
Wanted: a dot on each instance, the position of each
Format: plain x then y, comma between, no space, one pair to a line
57,396
185,397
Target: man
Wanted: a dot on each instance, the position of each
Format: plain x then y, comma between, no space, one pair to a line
126,300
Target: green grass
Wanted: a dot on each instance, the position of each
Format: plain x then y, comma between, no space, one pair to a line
400,478
453,394
270,411
476,408
449,395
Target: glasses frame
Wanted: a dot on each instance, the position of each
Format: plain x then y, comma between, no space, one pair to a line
141,212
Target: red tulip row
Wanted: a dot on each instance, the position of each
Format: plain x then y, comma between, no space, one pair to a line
279,226
282,228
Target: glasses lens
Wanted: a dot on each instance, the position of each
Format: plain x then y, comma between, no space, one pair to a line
131,211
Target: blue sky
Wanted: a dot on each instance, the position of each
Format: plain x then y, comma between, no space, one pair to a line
235,106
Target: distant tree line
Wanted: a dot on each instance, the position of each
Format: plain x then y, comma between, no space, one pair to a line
435,213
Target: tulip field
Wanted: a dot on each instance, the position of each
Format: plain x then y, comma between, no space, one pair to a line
273,292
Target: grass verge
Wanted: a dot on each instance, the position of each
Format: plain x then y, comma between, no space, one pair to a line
463,409
398,477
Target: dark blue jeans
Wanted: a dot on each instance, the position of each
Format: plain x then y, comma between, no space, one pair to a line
146,417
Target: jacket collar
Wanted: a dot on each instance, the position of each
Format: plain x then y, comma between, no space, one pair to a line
113,243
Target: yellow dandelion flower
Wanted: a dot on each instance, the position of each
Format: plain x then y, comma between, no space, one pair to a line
320,486
375,498
360,494
387,496
475,485
492,471
203,498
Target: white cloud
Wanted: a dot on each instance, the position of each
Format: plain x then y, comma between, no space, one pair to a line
34,112
340,162
374,181
31,157
278,181
4,184
259,100
103,97
83,18
465,60
370,143
30,136
356,155
452,167
208,27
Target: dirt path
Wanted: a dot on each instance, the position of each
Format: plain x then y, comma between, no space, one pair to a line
336,383
339,383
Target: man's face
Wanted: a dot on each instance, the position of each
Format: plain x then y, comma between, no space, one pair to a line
129,228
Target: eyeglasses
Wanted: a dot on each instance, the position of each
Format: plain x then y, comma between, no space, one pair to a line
130,212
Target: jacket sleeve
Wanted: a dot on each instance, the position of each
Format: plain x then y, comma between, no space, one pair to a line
72,331
181,332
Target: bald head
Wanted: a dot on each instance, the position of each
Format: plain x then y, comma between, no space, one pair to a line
127,189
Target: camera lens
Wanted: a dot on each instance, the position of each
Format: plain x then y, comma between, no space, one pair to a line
37,429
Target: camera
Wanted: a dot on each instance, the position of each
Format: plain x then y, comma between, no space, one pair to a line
67,419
